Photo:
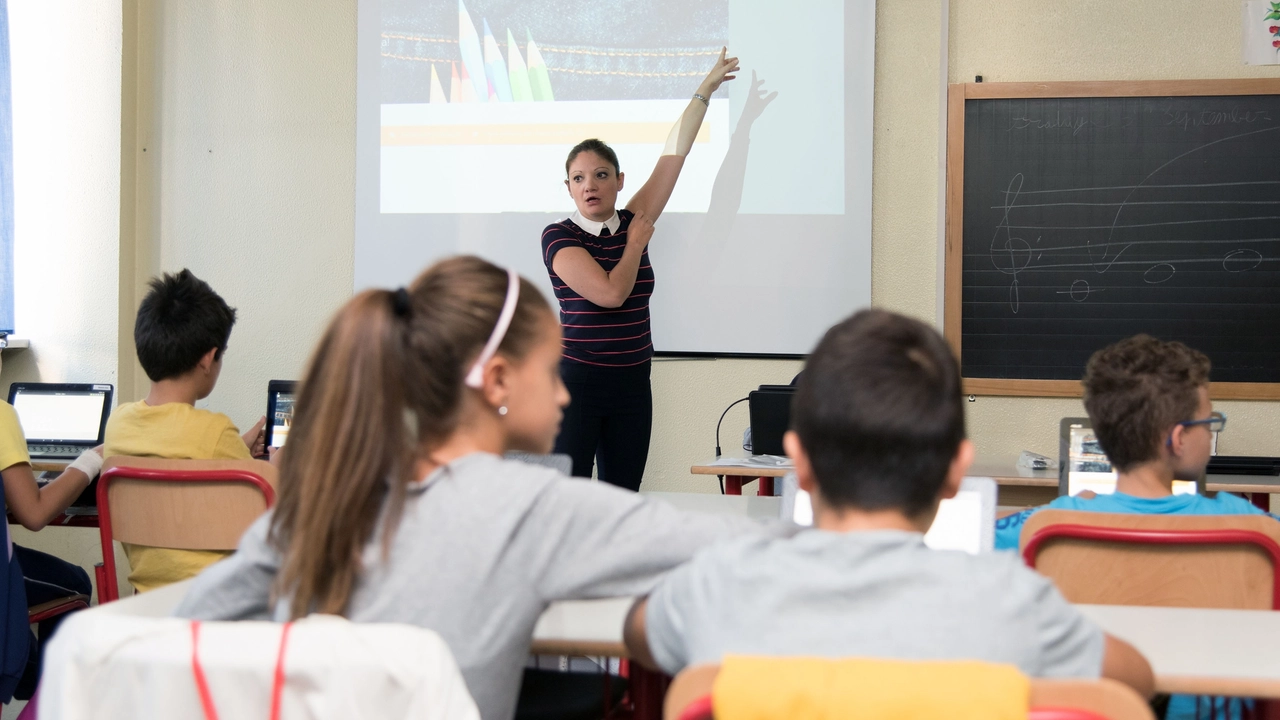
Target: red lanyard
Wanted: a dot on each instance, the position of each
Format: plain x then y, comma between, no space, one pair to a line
202,685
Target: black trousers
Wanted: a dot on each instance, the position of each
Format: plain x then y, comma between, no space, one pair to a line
46,578
609,420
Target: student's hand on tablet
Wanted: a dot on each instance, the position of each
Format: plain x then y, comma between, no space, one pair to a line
255,439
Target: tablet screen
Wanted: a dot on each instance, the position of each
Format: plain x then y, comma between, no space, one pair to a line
281,419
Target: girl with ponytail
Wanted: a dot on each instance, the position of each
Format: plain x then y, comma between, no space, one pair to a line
396,505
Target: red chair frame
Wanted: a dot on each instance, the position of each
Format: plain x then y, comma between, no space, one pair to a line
108,590
700,709
1225,536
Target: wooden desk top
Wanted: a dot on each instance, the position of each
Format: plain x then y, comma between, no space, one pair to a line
1201,652
741,470
1007,472
49,465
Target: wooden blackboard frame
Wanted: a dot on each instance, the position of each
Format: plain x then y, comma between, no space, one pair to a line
957,94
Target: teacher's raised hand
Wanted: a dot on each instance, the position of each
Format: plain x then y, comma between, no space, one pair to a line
722,72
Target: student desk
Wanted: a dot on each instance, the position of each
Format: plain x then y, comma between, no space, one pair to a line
1020,487
1192,651
1201,652
594,627
49,465
739,474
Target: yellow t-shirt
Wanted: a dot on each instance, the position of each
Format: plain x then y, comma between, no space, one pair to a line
13,444
176,431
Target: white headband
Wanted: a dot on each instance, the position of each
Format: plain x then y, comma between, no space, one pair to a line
475,378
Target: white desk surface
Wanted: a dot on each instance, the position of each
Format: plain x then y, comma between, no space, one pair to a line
753,506
594,627
1193,651
1201,652
160,602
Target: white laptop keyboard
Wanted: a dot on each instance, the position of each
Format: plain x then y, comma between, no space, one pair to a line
53,450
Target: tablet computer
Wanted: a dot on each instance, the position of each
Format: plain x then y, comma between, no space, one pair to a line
280,395
1082,464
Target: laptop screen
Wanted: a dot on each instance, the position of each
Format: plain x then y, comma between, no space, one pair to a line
965,522
280,394
70,416
1089,468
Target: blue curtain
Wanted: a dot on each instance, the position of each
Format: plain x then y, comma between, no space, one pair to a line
6,177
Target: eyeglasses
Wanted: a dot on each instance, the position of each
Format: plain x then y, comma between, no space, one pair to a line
1216,422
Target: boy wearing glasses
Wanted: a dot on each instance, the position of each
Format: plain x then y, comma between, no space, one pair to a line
1149,404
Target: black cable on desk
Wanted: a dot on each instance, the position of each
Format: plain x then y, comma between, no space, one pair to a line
721,420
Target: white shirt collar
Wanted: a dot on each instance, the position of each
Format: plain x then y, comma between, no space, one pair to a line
593,227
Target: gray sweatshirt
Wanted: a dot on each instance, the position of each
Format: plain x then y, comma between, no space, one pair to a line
484,546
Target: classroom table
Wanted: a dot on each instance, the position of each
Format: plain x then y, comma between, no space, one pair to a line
1197,651
1192,651
1020,487
742,472
49,465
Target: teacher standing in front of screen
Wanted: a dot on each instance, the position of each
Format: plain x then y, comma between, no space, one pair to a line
599,267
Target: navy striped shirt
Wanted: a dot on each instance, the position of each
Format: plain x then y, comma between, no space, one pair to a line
594,335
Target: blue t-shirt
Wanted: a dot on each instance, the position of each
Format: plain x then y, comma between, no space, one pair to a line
1008,530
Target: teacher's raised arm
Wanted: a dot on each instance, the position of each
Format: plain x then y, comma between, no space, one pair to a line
652,198
598,263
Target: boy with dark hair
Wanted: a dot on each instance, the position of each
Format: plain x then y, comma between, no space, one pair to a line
1148,401
181,333
878,440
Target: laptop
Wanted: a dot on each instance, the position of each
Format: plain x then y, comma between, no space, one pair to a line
770,410
61,420
965,522
280,395
1082,465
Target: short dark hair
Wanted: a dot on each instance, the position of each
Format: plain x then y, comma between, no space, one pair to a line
879,412
1136,390
180,320
595,146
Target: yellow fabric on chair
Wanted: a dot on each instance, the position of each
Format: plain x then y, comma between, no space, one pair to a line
771,688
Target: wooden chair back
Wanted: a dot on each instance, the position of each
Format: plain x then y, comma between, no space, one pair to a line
177,504
687,698
1202,561
184,504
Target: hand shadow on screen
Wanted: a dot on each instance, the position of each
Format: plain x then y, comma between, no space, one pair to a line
703,255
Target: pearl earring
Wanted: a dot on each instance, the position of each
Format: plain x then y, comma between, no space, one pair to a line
502,410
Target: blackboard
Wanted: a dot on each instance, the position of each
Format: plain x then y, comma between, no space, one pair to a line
1087,219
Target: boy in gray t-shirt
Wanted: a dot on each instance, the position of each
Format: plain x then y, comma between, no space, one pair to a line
878,440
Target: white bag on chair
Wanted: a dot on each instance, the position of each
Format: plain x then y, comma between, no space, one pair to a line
106,666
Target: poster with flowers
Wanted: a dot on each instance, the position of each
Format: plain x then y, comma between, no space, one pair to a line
1261,32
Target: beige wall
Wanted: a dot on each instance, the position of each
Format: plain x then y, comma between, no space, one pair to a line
1012,41
244,122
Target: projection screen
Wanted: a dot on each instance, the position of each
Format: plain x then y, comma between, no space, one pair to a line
466,110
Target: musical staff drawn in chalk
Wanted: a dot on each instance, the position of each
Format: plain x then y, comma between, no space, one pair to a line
1126,221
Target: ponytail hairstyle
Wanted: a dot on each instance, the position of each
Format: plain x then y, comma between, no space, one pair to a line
382,390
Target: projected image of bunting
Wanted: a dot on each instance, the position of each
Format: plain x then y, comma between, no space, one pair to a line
513,51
